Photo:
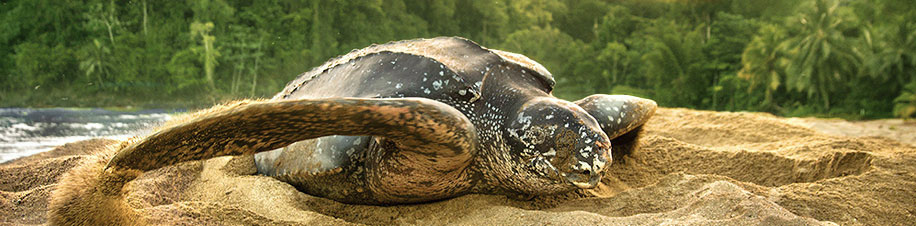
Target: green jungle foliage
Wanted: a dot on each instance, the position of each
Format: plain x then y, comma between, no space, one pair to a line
846,58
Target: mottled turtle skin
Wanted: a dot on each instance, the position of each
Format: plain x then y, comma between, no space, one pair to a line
428,119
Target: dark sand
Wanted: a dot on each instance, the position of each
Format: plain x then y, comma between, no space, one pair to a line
693,167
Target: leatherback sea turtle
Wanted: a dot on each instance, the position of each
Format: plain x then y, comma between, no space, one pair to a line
406,122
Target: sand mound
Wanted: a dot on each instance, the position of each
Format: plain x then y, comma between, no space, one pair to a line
692,167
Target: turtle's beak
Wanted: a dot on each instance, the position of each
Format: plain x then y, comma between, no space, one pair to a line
586,173
584,180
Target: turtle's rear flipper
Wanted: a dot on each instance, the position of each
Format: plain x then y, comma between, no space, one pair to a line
618,114
429,127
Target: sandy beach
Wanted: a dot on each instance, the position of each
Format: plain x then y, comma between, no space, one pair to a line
692,167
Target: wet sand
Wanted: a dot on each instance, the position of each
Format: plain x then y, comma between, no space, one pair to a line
692,167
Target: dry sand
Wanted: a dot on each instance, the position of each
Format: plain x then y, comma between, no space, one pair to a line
692,167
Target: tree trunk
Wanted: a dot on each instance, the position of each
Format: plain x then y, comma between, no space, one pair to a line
144,18
595,29
208,61
110,20
110,34
237,77
826,100
257,58
616,72
708,28
317,52
101,66
715,92
822,90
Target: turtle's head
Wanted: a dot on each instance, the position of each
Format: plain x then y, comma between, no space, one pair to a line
560,143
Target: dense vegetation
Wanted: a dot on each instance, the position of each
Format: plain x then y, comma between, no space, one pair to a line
848,58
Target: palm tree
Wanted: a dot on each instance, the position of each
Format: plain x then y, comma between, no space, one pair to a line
905,104
674,65
96,63
760,62
209,53
894,51
821,57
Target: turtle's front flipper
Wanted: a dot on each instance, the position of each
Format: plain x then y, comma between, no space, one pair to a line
429,127
92,193
618,114
621,117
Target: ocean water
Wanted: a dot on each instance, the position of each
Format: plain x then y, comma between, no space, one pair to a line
25,131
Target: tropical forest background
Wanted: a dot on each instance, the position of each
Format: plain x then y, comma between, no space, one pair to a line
842,58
